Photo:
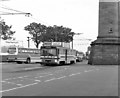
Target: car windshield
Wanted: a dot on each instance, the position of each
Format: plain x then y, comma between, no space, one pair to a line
12,50
48,52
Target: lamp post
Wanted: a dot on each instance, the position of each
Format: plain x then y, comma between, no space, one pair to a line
73,36
28,41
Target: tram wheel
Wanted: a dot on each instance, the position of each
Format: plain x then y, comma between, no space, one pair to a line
28,61
19,62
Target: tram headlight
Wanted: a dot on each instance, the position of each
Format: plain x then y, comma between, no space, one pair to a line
40,60
56,61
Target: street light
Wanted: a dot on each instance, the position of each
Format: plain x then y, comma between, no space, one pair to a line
28,41
73,35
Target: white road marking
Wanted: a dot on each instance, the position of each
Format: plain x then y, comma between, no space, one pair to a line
17,87
21,86
61,77
32,68
10,78
88,70
32,79
20,77
50,79
36,74
26,76
38,80
12,83
47,74
15,78
74,74
43,76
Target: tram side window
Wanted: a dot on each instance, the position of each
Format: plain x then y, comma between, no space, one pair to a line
30,51
68,52
39,51
62,51
12,50
23,51
74,53
36,52
19,50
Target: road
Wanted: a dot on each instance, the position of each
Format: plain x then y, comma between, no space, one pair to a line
69,80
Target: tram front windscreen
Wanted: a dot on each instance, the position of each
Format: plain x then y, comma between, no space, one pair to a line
48,52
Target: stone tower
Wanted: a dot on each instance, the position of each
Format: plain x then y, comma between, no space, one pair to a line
106,49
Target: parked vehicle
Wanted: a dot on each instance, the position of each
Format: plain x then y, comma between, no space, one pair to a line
26,55
80,56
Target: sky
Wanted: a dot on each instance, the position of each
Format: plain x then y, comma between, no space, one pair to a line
79,15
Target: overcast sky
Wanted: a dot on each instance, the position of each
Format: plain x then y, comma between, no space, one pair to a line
79,15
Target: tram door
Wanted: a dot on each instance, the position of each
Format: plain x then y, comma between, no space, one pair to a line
65,55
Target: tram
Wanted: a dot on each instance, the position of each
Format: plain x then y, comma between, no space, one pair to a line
57,54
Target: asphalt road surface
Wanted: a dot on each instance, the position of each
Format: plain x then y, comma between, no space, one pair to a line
69,80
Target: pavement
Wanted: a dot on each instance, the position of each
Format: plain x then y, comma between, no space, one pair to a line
77,80
11,67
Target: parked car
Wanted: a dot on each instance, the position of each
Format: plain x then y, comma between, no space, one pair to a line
79,59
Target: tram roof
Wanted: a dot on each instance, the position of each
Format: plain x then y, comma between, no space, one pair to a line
56,47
